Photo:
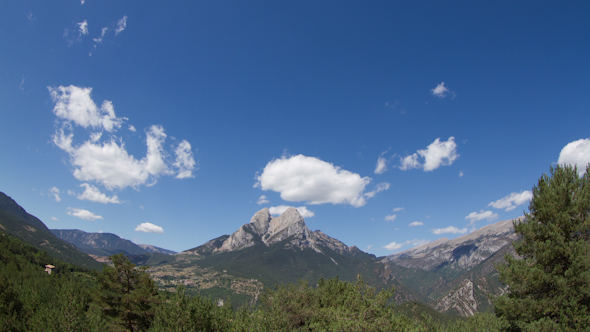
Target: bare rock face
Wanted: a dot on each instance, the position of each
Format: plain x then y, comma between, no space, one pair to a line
460,253
462,300
263,228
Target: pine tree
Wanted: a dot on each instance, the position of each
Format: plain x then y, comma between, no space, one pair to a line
549,284
127,293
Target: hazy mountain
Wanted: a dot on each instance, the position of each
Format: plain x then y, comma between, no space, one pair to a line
15,221
457,275
105,244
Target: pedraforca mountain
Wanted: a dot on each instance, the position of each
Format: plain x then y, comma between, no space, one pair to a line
263,228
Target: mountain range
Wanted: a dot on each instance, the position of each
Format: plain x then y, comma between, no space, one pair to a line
452,276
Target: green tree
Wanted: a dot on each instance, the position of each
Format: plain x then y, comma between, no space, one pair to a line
549,285
127,293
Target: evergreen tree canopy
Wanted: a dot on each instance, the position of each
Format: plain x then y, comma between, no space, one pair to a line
549,285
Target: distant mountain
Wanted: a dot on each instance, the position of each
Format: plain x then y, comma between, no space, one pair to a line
105,244
15,221
156,250
457,275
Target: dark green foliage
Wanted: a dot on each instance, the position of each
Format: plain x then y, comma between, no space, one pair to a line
550,285
127,294
184,313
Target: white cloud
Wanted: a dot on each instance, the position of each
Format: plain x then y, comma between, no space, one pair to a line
576,153
390,217
55,192
450,229
262,200
369,246
416,223
132,128
441,91
30,16
301,178
108,162
75,104
303,211
398,209
54,218
121,25
378,188
474,216
439,153
415,242
461,174
185,161
435,155
149,228
381,164
83,28
82,214
410,162
93,194
511,201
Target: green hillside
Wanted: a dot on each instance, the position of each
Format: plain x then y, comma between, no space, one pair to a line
15,221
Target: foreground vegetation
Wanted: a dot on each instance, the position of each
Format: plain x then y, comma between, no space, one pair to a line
549,287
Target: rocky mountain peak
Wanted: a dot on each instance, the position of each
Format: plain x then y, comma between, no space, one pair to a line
287,224
260,221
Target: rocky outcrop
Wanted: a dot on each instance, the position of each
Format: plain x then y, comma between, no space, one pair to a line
462,300
268,230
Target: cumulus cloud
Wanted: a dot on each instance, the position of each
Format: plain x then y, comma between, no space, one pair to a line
474,216
55,192
107,161
82,214
149,228
416,223
381,164
414,243
378,188
513,200
390,217
132,129
75,104
121,25
93,194
576,153
435,155
303,211
262,200
441,91
301,178
450,229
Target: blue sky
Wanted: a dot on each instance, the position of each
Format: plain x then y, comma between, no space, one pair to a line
389,123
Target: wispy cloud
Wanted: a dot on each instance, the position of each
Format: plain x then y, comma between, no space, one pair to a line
414,243
510,202
416,223
475,216
398,209
449,230
121,25
82,214
381,166
441,91
262,200
378,188
149,228
93,194
55,192
390,217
